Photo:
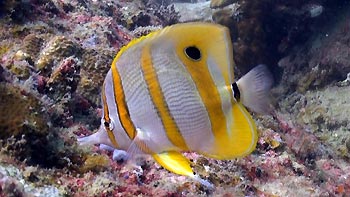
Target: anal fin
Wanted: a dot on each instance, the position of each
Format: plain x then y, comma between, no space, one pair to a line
174,162
177,163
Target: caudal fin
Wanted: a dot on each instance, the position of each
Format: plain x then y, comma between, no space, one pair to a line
255,89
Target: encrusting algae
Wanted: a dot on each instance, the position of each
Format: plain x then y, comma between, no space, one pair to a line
95,65
58,48
32,44
95,163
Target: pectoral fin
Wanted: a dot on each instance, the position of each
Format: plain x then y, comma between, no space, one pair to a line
174,162
140,144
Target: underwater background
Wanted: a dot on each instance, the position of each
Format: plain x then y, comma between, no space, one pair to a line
54,55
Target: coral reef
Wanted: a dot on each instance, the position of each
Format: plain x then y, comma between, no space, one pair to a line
27,131
329,60
17,11
95,66
323,117
193,12
64,79
56,49
53,59
221,3
247,21
267,30
21,114
31,47
142,31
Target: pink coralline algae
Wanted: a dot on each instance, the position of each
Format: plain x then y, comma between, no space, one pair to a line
325,167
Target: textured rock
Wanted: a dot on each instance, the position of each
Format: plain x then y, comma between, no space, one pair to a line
32,44
143,31
247,21
324,58
58,48
64,79
221,3
18,11
96,64
193,11
264,31
20,113
325,113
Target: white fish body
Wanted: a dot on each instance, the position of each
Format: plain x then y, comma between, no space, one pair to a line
172,91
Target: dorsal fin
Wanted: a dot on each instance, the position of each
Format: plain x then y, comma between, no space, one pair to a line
134,42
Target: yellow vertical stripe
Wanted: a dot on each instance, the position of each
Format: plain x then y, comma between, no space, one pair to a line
123,111
107,119
211,99
209,94
209,39
150,76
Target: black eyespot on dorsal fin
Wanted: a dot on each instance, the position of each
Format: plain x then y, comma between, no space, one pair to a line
236,92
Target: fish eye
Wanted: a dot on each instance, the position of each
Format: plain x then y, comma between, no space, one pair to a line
193,53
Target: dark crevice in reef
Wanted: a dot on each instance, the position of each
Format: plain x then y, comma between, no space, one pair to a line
268,30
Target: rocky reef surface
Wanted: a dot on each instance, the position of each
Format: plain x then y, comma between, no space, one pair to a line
54,56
